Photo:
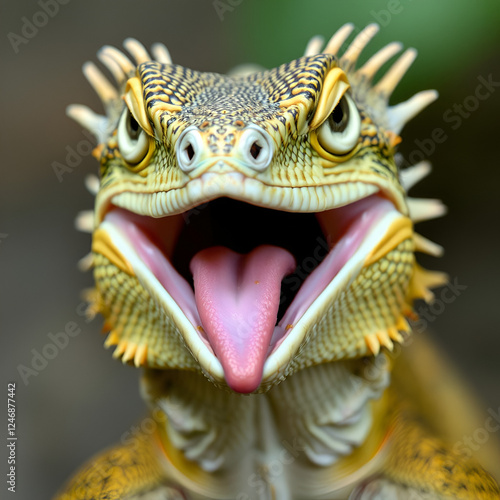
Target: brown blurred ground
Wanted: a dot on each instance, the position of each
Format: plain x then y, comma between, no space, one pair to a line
83,400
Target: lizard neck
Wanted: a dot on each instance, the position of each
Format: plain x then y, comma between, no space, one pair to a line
316,420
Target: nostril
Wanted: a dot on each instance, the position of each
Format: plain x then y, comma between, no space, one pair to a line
256,147
255,150
189,150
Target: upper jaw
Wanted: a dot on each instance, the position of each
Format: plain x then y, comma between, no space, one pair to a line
224,180
363,222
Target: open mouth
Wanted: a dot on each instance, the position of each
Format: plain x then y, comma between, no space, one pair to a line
245,281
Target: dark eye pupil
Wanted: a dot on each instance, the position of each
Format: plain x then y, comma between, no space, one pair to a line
133,127
339,117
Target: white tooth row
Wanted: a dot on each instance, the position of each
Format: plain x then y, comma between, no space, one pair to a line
234,185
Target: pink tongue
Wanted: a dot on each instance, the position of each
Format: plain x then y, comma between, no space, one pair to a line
238,298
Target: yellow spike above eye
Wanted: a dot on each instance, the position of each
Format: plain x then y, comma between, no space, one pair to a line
335,86
135,102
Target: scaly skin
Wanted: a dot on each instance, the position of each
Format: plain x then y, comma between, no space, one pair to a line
184,153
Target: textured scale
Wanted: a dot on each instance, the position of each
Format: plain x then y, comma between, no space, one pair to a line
325,420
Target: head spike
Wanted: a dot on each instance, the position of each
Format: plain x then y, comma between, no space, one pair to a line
351,55
425,245
422,281
92,183
85,221
119,58
372,343
400,114
390,80
370,68
120,349
141,355
161,53
138,51
113,67
338,39
94,123
402,325
129,352
86,263
104,89
384,339
424,209
395,335
111,339
414,174
93,297
314,46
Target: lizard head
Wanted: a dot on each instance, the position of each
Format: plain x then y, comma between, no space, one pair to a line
251,225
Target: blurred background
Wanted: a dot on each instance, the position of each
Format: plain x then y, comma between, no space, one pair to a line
82,400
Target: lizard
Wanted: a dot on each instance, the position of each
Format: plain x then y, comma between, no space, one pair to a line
253,249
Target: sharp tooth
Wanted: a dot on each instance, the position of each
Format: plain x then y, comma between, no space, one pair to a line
306,200
372,343
287,200
297,200
267,197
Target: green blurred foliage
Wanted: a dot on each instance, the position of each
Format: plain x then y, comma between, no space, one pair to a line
447,33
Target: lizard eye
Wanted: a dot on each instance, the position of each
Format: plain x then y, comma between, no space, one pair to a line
132,140
340,132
